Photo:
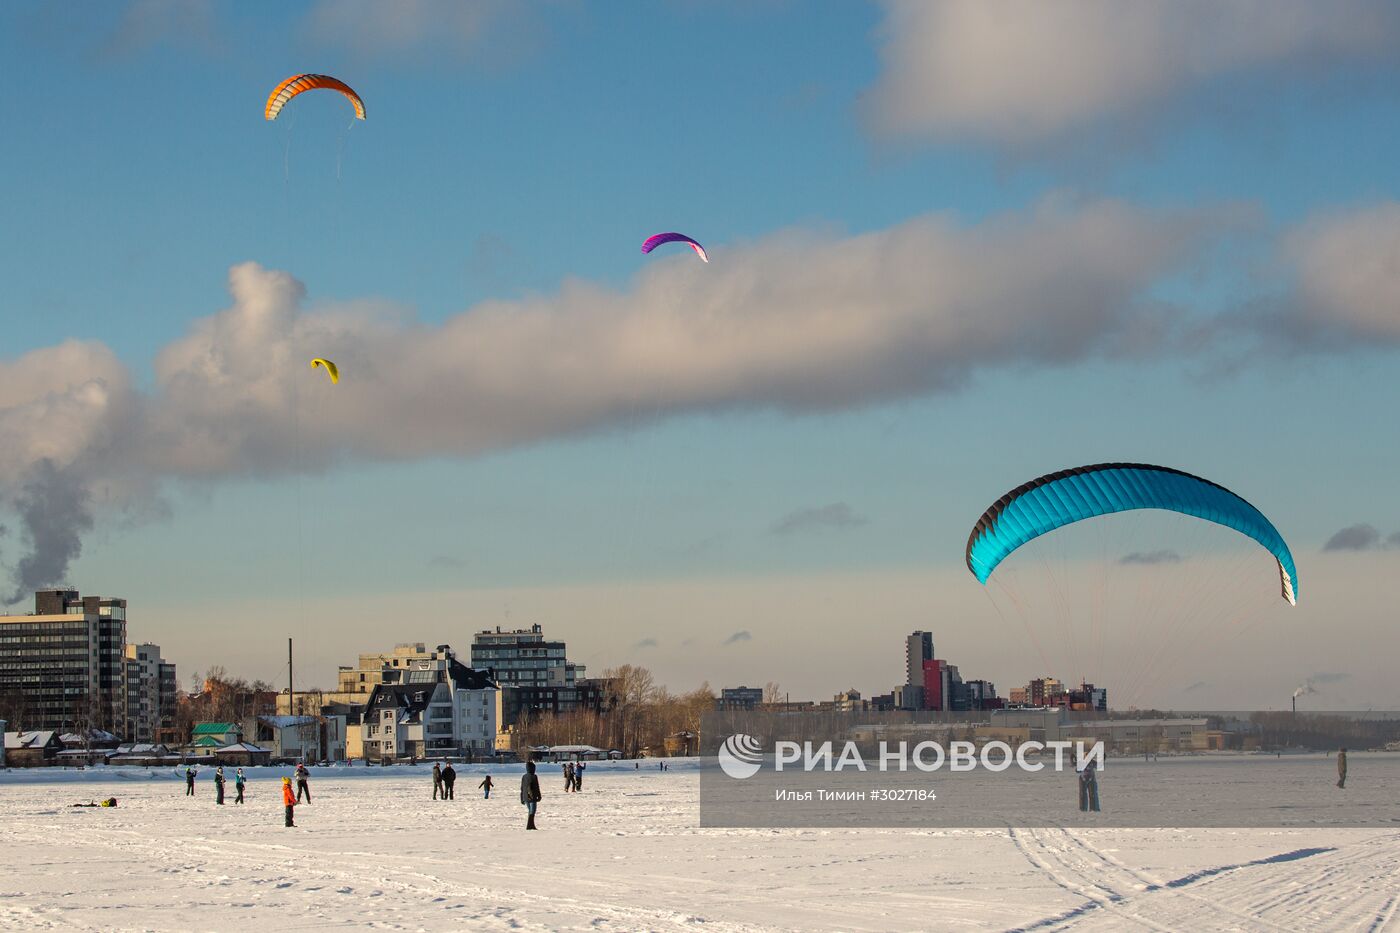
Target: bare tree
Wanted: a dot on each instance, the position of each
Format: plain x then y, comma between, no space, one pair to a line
635,688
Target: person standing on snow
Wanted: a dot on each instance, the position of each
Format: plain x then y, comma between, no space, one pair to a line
303,787
568,776
1342,768
486,783
1088,788
578,776
238,781
530,793
189,780
289,799
437,779
219,785
449,778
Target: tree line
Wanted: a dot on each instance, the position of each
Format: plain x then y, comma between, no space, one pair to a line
640,716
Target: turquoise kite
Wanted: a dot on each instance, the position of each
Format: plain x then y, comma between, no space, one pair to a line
1059,499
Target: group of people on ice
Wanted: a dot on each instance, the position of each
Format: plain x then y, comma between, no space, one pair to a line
573,776
444,777
290,798
239,781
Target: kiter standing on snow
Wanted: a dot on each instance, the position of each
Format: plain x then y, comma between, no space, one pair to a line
530,793
437,779
303,787
1342,768
238,781
449,778
486,785
189,781
578,776
289,799
219,785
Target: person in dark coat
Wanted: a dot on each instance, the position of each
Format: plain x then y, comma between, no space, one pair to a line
568,776
238,781
1088,788
449,778
219,785
578,776
189,781
530,793
1342,768
486,785
303,776
437,779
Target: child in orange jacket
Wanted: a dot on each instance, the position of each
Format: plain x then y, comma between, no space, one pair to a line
289,799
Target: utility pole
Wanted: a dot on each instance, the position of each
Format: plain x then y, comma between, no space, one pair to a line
291,684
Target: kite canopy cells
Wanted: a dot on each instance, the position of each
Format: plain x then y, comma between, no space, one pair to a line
331,369
296,84
652,242
1059,499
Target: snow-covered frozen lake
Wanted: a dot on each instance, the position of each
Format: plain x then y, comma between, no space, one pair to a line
375,851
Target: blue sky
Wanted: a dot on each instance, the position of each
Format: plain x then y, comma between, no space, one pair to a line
507,154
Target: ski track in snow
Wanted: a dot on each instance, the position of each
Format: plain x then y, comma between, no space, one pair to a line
374,851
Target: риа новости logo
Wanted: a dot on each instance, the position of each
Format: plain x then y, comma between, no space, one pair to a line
740,756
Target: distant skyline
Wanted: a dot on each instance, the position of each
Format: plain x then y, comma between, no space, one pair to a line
951,249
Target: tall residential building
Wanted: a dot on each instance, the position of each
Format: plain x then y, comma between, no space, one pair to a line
150,693
522,658
63,667
740,698
918,652
918,648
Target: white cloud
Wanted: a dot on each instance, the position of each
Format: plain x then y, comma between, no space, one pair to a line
1348,269
1022,71
796,322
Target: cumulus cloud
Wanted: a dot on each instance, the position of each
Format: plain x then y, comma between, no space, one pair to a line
1151,557
797,322
738,636
1348,275
1023,71
1361,537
